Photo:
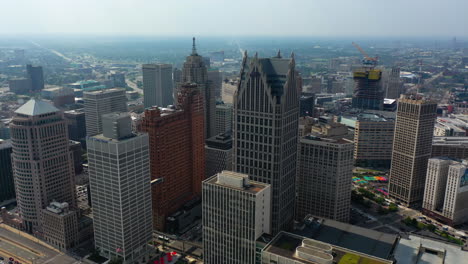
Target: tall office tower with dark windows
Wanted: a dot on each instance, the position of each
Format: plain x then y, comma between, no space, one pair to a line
42,162
218,151
120,181
307,102
324,178
37,77
368,92
223,118
76,122
157,85
393,85
236,212
98,103
7,186
195,71
412,147
177,151
266,121
216,77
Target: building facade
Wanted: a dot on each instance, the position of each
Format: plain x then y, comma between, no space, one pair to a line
446,191
368,92
119,175
454,147
176,137
42,162
157,85
394,86
7,186
76,122
236,212
98,103
218,152
60,226
36,76
223,121
324,177
412,147
265,129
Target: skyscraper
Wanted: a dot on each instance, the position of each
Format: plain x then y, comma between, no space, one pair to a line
218,151
37,77
236,212
42,162
394,86
195,71
324,178
368,92
266,114
223,118
412,146
216,77
119,175
98,103
446,190
7,186
157,85
76,122
177,151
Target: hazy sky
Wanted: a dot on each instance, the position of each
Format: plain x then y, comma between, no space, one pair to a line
237,17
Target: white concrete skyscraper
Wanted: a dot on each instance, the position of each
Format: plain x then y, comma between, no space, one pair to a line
98,103
265,130
157,85
42,162
119,175
236,212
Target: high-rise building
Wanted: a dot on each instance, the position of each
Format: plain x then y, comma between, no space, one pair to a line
36,76
98,103
76,122
236,212
177,151
119,175
19,85
42,162
216,78
60,226
324,177
157,85
412,146
223,118
7,186
368,92
4,131
373,140
195,71
265,129
118,79
394,86
307,102
218,152
446,190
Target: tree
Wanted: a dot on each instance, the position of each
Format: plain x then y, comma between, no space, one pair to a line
393,207
431,227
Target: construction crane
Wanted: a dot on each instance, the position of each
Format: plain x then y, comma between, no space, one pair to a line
367,59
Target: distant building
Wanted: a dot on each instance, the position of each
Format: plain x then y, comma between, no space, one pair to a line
218,152
223,115
4,131
118,79
446,191
177,151
216,78
307,102
450,127
236,212
37,77
20,85
323,185
119,175
368,92
60,226
412,147
289,248
393,85
55,180
77,152
454,147
59,95
98,103
157,85
265,129
76,123
7,186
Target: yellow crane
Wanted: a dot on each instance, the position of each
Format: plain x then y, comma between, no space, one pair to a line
368,60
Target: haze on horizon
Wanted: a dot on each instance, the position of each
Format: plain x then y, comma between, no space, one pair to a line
329,18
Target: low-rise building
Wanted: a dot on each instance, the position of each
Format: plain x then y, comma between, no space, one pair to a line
60,226
454,147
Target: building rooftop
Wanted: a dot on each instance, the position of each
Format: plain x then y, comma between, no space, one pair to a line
238,181
310,251
221,141
419,250
450,141
312,138
349,236
36,107
103,91
4,144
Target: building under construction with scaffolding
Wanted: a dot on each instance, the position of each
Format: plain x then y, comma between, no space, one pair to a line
368,90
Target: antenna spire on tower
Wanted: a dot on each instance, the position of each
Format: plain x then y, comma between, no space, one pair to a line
194,49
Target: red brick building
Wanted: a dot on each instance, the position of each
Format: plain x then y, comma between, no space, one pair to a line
177,151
